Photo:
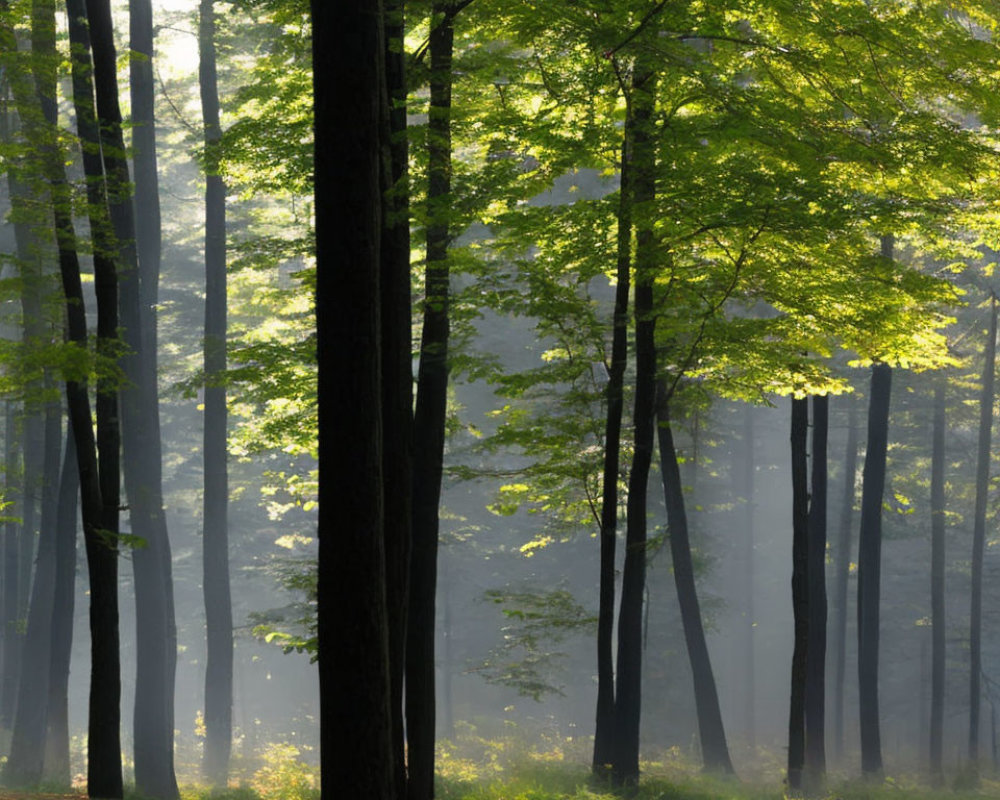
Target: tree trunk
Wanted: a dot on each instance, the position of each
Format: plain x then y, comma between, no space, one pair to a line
979,536
216,586
937,584
350,113
27,749
397,376
800,595
749,610
714,749
815,698
869,568
842,570
429,418
614,392
56,767
99,482
11,572
628,688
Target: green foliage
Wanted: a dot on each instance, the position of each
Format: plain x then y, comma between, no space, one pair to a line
293,627
535,622
284,776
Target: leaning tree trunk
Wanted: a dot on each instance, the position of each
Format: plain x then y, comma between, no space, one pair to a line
842,568
800,594
356,725
614,392
979,536
397,375
429,418
937,584
215,583
815,697
714,749
869,568
628,688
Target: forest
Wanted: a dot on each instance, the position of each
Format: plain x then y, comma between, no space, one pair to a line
499,399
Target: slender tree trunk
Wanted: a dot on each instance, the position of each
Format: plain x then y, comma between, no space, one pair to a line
429,418
714,749
979,536
156,631
11,572
614,392
27,749
56,767
628,688
800,595
104,770
937,584
815,699
869,568
216,586
350,113
749,610
841,573
397,375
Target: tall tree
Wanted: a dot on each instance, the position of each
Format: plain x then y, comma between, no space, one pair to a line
979,535
430,412
842,568
615,394
628,683
800,594
350,117
215,537
138,231
397,374
714,748
815,697
937,583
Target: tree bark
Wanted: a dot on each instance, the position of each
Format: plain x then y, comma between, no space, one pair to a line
749,610
350,112
869,568
714,749
216,585
937,584
628,688
397,376
800,595
815,697
979,536
842,570
99,481
429,418
614,392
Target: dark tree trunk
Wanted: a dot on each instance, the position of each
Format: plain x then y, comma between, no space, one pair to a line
869,568
614,392
937,584
56,766
216,586
841,573
429,419
815,698
979,536
156,630
628,687
104,771
350,113
714,749
397,376
27,749
800,595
